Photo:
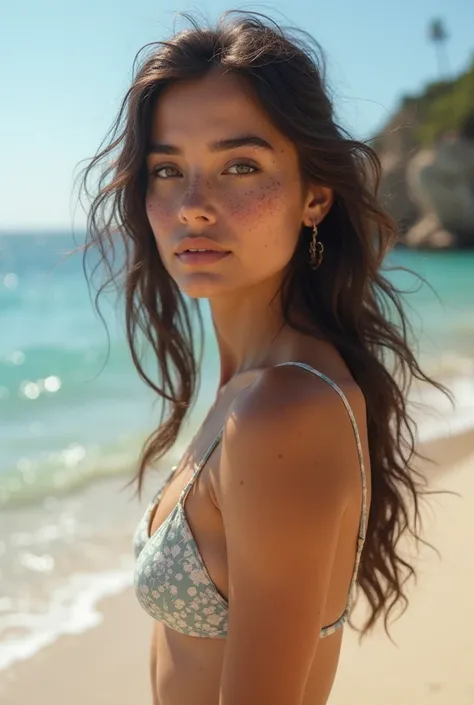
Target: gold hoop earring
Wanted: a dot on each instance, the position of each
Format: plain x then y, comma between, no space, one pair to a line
316,249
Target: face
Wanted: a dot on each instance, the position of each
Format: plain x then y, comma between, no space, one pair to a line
239,201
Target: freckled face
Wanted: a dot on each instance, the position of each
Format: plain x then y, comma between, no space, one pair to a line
246,199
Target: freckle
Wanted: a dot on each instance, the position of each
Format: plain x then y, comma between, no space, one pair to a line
280,456
241,482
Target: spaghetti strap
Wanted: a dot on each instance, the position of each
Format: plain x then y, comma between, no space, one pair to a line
206,456
200,466
363,515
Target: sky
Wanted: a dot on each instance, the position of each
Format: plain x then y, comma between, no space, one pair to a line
65,66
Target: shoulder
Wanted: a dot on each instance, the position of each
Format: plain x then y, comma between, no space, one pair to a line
292,426
280,393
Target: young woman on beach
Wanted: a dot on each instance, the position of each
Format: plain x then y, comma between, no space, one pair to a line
228,179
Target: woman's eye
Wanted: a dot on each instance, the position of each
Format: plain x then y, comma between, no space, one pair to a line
243,165
157,172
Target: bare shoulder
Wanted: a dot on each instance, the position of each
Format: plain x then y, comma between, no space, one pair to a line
279,392
290,416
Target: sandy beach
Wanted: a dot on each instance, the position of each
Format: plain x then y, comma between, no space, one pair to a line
429,664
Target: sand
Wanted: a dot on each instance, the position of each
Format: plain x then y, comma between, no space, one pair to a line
432,662
107,664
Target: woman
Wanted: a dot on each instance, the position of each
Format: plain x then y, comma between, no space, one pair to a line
230,181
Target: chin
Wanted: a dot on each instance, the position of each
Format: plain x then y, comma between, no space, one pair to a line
203,285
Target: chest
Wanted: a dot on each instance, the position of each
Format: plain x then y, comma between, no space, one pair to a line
198,512
189,497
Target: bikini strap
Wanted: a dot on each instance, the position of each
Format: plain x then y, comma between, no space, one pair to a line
200,466
363,514
207,455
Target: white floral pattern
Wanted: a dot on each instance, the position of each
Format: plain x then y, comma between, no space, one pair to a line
171,581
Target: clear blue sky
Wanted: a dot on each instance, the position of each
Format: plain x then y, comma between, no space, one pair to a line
64,66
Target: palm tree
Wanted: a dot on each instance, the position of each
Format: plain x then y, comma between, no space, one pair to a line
438,35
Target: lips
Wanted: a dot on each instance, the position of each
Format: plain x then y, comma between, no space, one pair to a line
199,249
201,256
198,244
193,251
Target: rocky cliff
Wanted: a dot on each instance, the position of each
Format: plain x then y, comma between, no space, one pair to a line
427,154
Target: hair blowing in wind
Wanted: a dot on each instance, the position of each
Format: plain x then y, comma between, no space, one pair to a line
348,299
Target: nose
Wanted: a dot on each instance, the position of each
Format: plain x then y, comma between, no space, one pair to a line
196,206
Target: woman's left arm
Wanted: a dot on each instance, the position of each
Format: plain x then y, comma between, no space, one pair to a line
284,486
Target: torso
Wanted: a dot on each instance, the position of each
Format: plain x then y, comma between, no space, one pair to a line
186,669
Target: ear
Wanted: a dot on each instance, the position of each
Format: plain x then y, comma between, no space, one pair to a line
318,202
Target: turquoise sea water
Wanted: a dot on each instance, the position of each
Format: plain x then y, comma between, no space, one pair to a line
72,409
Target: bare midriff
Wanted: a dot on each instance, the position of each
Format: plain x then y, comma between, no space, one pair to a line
187,670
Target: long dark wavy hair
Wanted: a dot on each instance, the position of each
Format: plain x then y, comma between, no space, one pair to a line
348,299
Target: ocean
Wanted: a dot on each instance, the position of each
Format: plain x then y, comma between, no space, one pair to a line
74,414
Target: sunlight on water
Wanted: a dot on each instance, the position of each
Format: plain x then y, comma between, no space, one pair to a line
17,357
32,390
11,280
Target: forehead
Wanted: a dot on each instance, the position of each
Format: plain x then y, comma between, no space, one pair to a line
218,105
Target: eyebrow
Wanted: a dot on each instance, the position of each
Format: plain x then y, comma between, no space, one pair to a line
218,146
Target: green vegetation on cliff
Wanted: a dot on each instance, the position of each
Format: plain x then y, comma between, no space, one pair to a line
443,105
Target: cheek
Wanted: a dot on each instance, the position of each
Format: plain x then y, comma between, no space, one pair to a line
160,215
266,214
158,210
257,201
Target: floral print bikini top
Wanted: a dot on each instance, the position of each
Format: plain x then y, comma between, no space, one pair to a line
170,579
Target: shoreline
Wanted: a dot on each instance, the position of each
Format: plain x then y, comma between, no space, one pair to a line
108,663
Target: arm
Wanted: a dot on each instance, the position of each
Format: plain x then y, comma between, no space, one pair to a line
285,484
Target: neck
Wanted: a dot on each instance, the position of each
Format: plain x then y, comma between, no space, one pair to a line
250,329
